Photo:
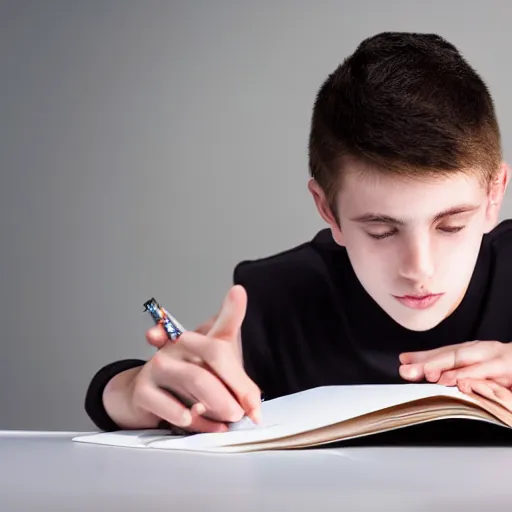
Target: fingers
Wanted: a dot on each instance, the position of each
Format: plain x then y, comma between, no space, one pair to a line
198,385
423,355
496,369
157,336
158,402
231,315
222,360
457,356
488,389
162,404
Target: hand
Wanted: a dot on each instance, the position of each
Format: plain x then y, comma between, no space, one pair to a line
203,368
488,389
470,360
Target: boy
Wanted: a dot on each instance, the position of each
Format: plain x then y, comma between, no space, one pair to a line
406,170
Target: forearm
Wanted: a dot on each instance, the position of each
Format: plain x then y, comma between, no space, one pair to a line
118,403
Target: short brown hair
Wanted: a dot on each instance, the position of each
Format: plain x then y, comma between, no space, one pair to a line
405,103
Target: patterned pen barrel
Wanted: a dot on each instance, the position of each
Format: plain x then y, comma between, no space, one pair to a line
161,316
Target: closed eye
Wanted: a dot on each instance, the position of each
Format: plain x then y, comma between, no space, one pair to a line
380,236
387,234
451,230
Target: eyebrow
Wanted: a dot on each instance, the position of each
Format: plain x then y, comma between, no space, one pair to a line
380,218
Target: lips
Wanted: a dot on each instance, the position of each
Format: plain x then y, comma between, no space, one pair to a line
419,301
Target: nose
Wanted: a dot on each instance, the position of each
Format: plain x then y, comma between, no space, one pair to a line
417,260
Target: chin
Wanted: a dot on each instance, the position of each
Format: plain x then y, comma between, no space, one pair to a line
417,320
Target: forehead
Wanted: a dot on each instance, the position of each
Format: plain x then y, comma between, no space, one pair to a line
407,196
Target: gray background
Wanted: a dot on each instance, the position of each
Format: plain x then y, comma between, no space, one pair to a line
148,146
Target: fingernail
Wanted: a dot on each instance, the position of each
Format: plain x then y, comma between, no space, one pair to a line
255,416
186,418
411,371
200,408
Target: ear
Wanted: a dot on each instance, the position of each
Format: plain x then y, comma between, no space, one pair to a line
496,193
325,210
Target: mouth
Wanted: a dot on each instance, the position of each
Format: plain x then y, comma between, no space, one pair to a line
419,301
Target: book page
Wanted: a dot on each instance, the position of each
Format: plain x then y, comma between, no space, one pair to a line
293,414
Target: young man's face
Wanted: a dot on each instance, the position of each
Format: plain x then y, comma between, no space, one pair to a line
413,243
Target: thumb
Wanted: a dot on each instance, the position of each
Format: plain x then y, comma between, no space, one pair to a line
231,315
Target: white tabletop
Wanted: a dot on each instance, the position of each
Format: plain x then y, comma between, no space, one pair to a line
48,472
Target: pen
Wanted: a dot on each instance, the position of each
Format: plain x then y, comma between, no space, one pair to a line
161,316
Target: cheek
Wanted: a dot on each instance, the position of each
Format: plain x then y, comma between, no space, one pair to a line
373,264
457,260
454,262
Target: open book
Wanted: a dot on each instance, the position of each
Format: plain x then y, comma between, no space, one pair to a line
324,415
